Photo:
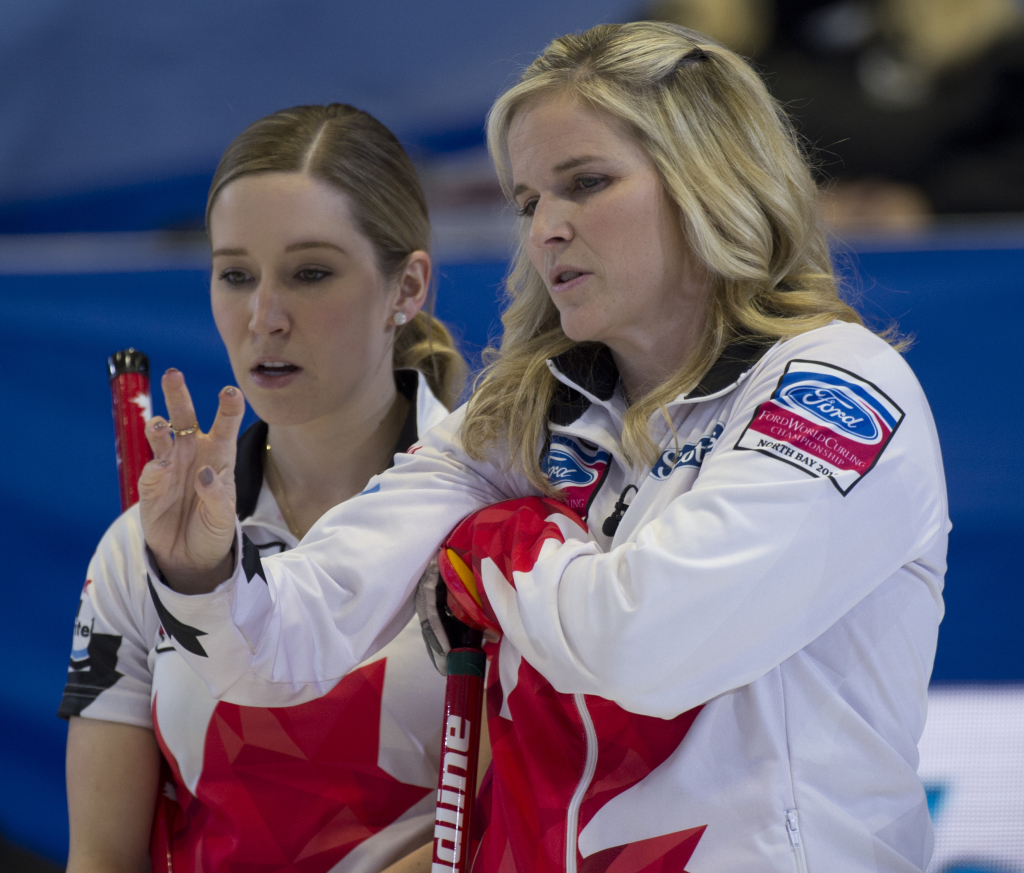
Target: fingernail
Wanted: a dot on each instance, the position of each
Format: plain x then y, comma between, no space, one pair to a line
230,391
170,370
206,476
159,425
165,463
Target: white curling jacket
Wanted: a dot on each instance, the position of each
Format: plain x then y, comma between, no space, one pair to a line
341,780
744,657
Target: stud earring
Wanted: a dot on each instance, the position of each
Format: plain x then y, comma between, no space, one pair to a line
400,318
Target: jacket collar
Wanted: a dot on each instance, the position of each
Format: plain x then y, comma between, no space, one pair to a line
736,359
249,455
587,374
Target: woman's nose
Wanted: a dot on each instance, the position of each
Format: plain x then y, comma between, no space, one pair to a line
269,310
550,225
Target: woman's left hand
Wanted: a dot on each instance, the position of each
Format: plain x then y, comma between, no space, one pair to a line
187,492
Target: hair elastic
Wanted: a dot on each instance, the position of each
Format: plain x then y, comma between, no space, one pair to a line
692,57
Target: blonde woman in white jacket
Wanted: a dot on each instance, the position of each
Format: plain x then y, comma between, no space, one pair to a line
718,583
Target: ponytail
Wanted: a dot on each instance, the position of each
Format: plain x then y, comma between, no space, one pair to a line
426,344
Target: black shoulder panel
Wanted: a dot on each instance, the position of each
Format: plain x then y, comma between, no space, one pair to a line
89,677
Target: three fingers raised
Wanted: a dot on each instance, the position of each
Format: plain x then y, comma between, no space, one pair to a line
230,411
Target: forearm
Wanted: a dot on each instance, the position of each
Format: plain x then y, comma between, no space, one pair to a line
710,596
112,776
285,629
201,582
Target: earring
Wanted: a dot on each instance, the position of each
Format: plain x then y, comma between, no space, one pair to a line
400,318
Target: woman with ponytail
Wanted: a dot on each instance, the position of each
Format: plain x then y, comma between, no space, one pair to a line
321,290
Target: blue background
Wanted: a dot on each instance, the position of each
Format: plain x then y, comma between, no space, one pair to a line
115,112
59,486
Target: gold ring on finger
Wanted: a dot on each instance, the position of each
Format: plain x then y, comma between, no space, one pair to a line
185,431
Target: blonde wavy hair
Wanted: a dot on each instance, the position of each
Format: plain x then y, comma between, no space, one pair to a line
352,151
729,159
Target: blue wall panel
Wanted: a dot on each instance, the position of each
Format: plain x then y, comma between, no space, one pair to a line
965,310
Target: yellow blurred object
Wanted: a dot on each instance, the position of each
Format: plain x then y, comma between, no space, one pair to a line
745,26
936,34
874,205
465,574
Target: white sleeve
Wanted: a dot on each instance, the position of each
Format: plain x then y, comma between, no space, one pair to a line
286,629
739,573
108,673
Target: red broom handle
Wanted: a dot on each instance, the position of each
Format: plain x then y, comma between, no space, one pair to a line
132,406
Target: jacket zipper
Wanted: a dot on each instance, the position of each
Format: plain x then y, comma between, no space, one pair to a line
572,823
793,829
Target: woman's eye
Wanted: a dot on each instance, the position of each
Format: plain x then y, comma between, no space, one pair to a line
588,183
527,209
234,277
311,274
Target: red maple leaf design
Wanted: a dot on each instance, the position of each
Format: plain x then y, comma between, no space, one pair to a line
290,788
665,854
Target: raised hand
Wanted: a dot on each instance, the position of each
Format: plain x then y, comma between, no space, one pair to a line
187,492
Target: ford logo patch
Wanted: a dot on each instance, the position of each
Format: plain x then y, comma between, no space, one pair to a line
568,464
834,406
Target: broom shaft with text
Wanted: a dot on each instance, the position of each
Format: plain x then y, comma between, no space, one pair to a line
460,750
132,406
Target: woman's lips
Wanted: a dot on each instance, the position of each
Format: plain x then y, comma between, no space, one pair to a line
558,287
269,375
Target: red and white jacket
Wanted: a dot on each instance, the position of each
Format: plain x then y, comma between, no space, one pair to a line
733,676
340,780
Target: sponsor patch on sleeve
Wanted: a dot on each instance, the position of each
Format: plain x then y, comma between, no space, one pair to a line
93,665
825,421
575,468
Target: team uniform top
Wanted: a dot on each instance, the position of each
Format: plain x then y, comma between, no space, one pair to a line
339,780
732,678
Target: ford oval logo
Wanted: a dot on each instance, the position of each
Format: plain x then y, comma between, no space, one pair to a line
569,464
562,467
833,406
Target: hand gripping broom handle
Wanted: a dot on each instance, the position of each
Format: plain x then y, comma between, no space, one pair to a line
460,753
460,747
132,406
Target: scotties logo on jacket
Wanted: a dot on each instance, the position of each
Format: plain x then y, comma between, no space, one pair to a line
688,455
825,421
575,468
